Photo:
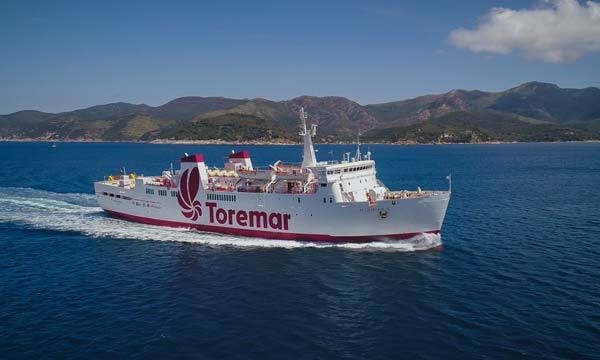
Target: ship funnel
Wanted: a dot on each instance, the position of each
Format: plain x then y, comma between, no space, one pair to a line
309,158
239,160
190,162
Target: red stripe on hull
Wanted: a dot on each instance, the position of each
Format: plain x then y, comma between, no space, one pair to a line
262,233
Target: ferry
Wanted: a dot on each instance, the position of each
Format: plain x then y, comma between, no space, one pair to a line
317,201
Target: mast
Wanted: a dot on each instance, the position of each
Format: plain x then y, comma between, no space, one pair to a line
358,156
308,157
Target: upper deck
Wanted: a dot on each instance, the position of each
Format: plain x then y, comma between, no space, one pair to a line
353,179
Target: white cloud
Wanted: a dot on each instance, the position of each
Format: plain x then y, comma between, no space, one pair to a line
561,30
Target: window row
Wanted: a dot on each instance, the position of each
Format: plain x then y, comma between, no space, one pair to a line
352,169
358,168
221,197
162,192
117,196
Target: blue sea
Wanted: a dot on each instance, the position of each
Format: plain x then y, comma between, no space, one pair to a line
514,274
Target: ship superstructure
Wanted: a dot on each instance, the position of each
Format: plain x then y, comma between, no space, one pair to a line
331,201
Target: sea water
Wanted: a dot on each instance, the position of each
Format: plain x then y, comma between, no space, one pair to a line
515,272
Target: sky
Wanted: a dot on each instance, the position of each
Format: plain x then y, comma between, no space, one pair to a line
63,55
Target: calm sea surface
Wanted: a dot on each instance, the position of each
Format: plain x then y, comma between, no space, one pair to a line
517,276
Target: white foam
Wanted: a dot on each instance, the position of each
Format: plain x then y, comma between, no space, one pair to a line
79,213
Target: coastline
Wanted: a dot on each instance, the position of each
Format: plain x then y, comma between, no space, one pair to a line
282,143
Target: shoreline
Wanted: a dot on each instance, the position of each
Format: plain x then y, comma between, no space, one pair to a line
221,142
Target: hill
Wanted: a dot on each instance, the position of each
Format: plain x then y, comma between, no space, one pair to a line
477,127
532,111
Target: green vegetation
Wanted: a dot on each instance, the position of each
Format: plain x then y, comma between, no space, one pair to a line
229,127
135,127
475,127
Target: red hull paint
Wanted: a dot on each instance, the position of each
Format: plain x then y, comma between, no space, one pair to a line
262,233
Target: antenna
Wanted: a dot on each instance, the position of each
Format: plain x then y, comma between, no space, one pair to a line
358,154
303,124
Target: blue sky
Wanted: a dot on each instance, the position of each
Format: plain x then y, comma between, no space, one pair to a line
58,56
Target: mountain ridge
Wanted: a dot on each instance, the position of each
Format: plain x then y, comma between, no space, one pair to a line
532,111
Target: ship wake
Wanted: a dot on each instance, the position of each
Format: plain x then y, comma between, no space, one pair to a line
79,213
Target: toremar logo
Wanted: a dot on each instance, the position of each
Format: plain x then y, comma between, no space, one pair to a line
188,189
